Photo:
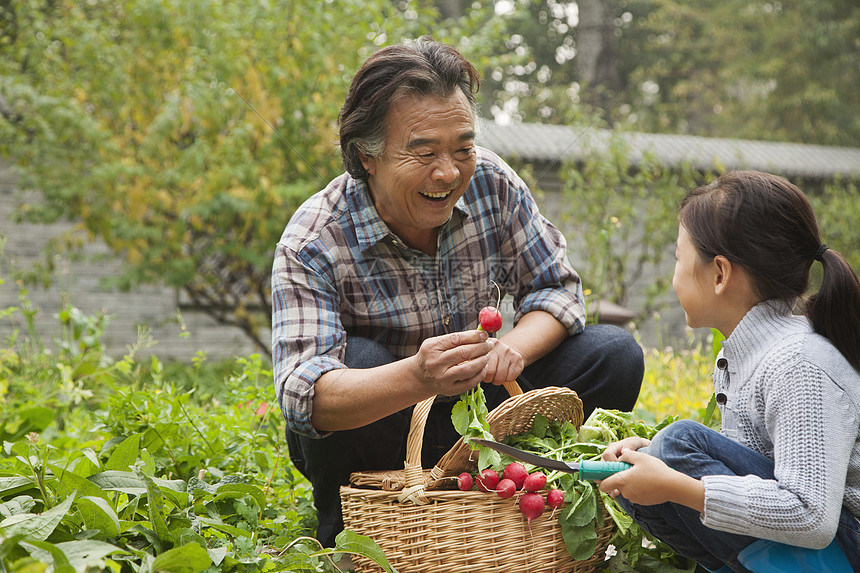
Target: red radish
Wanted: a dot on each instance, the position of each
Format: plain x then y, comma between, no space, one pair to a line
465,481
490,318
531,505
506,488
488,480
535,482
516,473
554,499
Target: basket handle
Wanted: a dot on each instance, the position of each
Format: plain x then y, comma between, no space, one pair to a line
413,471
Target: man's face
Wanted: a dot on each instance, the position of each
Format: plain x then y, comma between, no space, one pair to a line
427,164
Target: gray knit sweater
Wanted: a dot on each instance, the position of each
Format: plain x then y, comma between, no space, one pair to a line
791,396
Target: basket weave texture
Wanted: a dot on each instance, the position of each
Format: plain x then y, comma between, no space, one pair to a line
424,526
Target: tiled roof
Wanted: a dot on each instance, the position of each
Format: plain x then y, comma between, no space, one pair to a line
551,143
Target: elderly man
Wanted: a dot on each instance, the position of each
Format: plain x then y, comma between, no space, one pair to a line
378,280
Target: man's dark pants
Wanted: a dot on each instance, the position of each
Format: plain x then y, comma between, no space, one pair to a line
603,364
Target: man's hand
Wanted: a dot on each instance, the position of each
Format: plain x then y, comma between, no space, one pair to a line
453,363
504,363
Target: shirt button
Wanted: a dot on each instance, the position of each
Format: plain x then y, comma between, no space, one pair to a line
722,398
447,321
722,363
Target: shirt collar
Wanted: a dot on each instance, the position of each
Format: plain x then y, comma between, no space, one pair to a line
765,325
369,226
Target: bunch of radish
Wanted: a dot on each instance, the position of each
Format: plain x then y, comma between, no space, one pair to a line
516,479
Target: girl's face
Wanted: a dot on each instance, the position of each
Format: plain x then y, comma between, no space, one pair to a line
692,283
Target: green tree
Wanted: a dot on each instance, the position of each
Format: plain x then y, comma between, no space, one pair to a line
782,71
534,77
555,61
183,134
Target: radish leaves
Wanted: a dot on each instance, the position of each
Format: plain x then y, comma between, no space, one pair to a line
469,417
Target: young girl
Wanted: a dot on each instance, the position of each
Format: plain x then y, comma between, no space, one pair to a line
772,490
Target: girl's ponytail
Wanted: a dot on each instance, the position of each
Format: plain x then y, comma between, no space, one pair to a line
835,309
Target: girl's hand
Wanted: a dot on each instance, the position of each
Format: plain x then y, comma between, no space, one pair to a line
613,450
650,481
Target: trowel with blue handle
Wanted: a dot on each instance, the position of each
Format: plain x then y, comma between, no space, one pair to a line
587,469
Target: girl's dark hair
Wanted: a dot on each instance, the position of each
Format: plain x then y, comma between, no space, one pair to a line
421,67
766,225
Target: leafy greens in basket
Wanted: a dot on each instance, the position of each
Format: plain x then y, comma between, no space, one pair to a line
469,417
583,515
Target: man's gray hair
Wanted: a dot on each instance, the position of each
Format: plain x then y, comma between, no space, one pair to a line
421,68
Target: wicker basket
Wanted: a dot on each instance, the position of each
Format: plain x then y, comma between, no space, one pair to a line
424,528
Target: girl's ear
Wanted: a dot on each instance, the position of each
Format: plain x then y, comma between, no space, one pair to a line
722,274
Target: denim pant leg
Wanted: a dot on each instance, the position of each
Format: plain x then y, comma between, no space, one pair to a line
604,365
848,537
697,451
381,445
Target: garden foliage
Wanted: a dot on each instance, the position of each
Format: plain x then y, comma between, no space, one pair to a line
621,220
134,465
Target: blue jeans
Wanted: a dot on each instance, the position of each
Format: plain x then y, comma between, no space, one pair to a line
697,451
603,364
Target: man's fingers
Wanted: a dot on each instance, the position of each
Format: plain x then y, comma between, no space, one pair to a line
454,363
460,385
468,352
491,369
468,369
502,364
443,351
458,339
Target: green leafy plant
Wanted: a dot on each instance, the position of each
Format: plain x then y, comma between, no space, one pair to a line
677,382
838,210
469,416
583,515
140,474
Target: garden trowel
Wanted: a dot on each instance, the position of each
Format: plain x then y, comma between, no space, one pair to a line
587,469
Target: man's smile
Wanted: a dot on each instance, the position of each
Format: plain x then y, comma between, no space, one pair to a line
437,195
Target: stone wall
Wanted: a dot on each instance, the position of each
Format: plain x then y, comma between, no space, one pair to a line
667,325
80,284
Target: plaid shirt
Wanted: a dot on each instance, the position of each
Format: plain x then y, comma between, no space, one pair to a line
339,271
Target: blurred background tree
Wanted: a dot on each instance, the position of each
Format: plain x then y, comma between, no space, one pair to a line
721,68
780,71
184,134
